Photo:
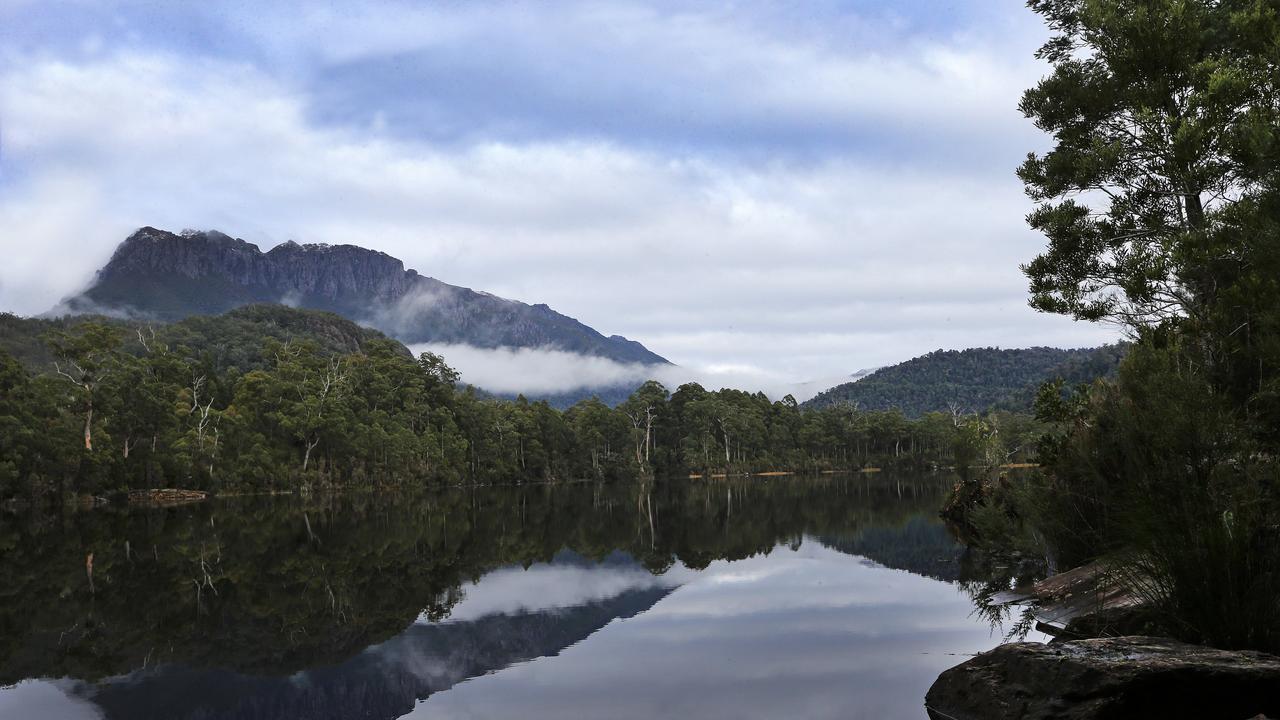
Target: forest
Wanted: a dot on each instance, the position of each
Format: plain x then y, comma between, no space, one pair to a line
270,398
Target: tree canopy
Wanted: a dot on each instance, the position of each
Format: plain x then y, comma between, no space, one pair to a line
973,380
1164,117
282,399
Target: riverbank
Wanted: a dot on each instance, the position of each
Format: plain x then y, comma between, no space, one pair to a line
1107,659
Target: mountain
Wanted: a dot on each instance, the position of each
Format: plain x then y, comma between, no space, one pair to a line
164,276
977,379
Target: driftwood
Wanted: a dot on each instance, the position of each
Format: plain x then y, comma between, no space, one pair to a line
166,497
1080,592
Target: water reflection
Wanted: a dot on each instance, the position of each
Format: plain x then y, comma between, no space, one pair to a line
568,581
805,633
744,598
383,681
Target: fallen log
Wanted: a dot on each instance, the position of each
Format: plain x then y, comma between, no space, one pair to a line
166,497
1081,592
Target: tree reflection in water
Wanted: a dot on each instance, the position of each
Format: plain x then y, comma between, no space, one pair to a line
283,606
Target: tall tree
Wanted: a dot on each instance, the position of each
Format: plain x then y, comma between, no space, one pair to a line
1164,116
85,357
642,408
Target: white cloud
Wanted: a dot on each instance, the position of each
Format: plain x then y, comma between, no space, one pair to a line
656,69
766,270
737,638
552,586
47,699
534,371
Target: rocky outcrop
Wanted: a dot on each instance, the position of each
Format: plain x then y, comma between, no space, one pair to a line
1099,679
165,276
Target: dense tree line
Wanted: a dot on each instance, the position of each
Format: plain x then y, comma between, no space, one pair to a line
973,380
269,398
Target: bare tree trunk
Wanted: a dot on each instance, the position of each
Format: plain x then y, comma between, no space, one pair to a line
648,433
653,538
306,457
88,425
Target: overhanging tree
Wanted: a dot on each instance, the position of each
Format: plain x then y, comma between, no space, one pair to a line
1164,116
1161,206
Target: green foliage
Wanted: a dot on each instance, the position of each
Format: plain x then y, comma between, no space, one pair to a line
1166,121
974,380
271,398
18,432
234,339
1166,118
1158,472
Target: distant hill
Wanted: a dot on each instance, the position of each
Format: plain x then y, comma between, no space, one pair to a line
977,379
165,277
233,339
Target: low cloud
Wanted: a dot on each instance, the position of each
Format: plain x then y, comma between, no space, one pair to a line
546,371
405,314
549,587
538,371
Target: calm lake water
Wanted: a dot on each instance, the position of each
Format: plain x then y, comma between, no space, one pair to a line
834,597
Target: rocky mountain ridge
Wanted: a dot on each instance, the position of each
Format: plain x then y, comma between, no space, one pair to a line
165,276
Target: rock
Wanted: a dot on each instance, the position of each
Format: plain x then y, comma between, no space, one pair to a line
1123,677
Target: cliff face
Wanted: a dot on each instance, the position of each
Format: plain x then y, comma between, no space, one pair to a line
160,275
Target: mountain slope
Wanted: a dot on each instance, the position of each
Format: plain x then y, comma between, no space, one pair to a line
974,380
159,275
232,339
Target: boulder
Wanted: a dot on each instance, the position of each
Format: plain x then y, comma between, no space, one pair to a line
1121,677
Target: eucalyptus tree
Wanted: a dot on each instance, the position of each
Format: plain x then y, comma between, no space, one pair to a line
644,406
84,357
585,420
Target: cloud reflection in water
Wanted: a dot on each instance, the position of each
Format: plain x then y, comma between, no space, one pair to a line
809,633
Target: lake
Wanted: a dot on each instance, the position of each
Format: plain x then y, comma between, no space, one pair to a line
829,597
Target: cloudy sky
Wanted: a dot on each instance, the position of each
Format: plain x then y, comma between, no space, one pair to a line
761,191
